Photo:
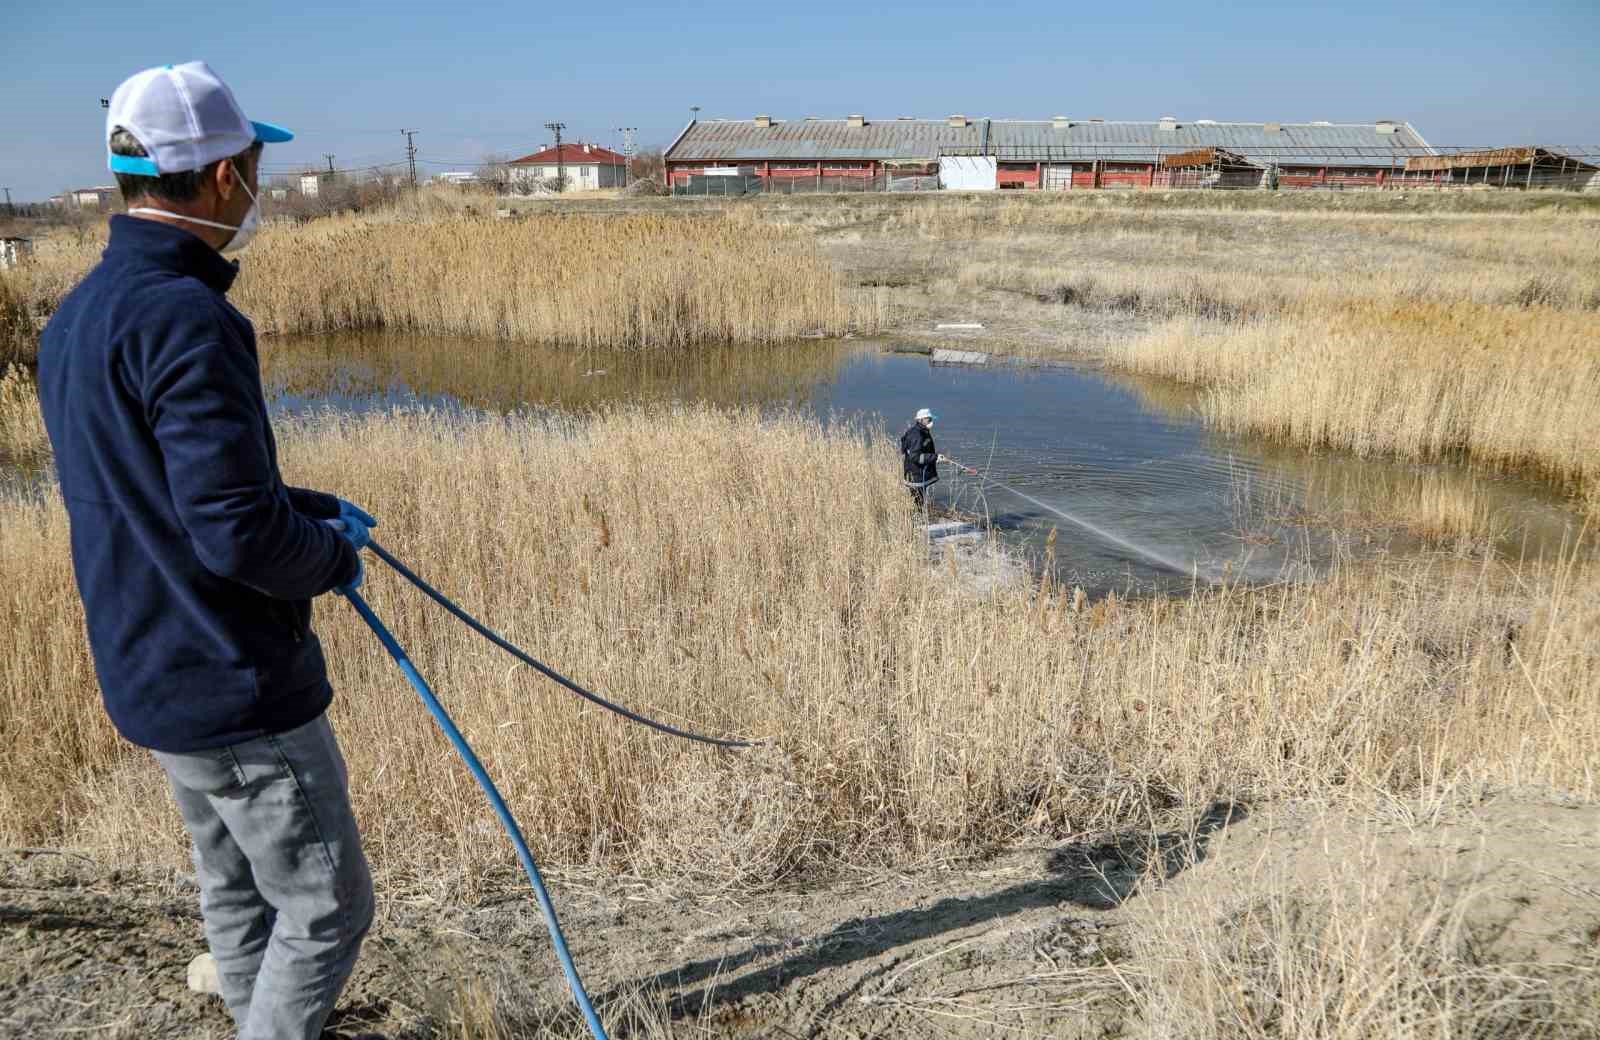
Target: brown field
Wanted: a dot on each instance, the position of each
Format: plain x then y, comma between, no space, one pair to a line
955,771
909,717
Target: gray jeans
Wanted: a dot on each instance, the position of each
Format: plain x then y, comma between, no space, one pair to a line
284,886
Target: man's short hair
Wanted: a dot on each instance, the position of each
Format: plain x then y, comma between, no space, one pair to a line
168,187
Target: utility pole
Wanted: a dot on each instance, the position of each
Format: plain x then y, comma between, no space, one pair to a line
561,163
8,202
329,156
627,133
411,154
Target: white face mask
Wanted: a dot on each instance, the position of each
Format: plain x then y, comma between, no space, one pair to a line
242,232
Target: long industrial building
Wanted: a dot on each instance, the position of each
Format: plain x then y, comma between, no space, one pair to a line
857,153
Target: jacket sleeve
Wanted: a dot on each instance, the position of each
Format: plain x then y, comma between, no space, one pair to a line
224,484
316,504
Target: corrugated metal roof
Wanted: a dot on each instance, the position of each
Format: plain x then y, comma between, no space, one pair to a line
728,139
1350,144
1493,157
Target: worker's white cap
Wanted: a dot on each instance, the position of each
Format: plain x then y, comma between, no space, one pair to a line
923,413
185,117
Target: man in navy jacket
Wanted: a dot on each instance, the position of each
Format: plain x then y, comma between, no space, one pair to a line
197,565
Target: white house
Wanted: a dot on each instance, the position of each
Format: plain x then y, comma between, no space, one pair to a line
311,182
584,165
87,198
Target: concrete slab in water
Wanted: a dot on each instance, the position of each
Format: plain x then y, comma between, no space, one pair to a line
959,357
953,531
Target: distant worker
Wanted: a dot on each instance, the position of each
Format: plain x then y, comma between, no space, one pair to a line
919,456
197,565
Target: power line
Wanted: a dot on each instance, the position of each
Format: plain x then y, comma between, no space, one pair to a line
561,163
627,133
411,154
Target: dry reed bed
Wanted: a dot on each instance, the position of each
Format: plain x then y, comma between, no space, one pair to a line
645,281
22,436
1420,336
628,281
762,578
1510,388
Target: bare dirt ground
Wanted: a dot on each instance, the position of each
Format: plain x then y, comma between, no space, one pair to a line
1032,941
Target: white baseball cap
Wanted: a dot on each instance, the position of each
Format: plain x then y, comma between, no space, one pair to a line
923,413
185,117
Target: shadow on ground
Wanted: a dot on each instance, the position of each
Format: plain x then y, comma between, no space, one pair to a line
1099,875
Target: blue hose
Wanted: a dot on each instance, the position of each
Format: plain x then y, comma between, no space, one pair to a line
506,819
544,670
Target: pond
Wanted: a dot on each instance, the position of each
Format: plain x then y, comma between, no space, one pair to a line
1139,495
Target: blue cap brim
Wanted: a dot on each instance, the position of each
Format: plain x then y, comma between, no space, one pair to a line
271,133
135,164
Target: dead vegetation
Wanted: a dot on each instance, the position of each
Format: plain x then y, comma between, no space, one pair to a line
909,719
641,281
906,715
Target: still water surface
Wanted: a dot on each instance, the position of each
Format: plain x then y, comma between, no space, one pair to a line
1139,494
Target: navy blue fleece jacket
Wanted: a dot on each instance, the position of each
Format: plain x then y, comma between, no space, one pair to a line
195,563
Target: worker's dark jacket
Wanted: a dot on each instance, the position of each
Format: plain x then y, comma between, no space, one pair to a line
921,458
195,563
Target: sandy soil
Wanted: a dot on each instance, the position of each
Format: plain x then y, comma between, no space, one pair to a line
1019,941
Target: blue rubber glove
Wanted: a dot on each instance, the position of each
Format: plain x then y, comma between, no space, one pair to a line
355,525
357,522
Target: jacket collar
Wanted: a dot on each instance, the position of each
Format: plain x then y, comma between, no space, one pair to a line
170,247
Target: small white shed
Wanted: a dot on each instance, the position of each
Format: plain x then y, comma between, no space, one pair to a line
14,250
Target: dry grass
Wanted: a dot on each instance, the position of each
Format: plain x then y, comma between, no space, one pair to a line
628,281
1366,948
632,281
908,714
22,436
1511,388
1417,335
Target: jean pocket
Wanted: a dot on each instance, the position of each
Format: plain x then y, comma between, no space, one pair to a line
215,771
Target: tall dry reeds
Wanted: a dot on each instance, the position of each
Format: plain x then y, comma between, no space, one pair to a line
762,577
1422,336
579,280
1513,388
22,436
30,291
624,281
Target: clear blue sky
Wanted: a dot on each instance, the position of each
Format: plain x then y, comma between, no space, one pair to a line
477,77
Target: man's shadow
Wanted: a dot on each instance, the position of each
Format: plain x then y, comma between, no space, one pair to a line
1100,876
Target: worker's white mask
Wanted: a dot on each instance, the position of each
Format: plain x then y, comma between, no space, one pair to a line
243,232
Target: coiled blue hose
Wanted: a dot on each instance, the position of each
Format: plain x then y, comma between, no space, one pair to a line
506,819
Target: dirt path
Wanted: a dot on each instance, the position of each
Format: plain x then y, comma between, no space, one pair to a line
1016,945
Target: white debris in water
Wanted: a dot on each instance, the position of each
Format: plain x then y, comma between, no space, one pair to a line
942,356
953,530
952,326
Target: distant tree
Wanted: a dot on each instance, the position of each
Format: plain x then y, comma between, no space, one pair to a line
648,164
495,171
